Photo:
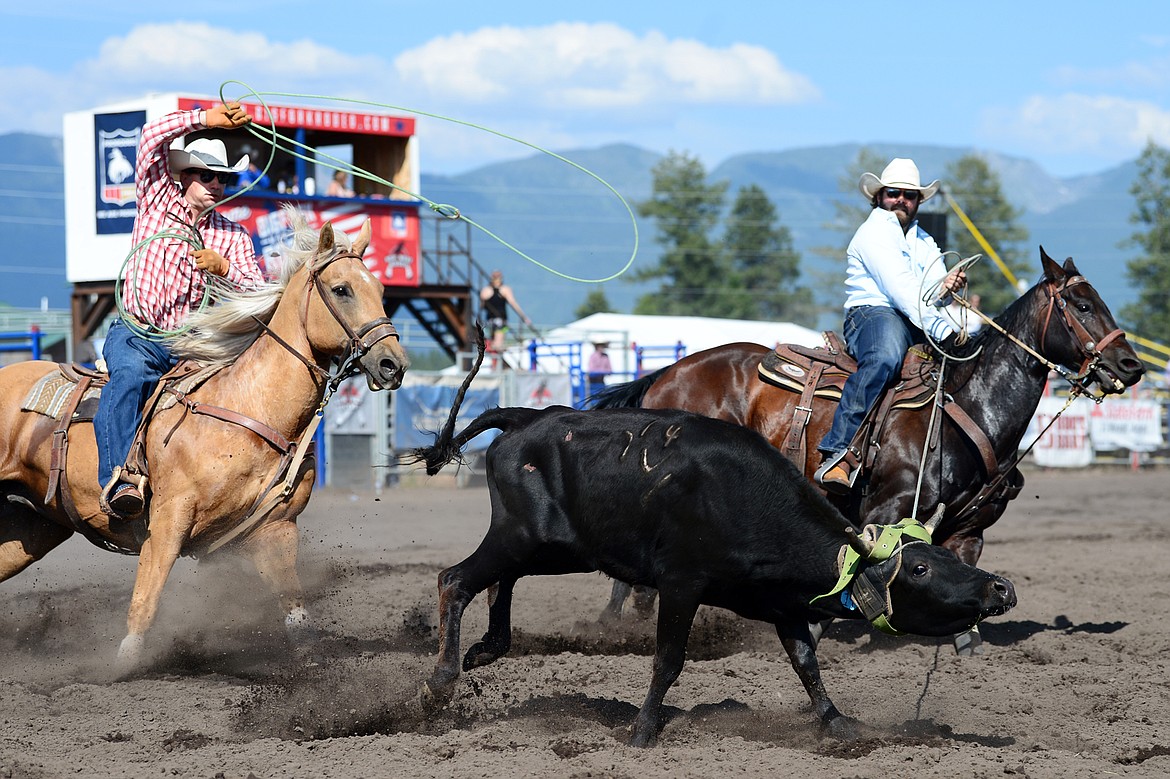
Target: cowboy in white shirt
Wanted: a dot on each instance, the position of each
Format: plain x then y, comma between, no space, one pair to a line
892,263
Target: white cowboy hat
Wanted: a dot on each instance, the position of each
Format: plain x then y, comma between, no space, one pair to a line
901,173
205,154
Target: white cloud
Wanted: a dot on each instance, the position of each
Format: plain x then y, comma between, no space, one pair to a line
573,65
1103,125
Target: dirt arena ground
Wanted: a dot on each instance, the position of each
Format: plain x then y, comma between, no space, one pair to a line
1074,682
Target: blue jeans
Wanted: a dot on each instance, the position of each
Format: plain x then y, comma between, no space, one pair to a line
135,365
877,337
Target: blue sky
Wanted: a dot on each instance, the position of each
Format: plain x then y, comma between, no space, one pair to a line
1077,87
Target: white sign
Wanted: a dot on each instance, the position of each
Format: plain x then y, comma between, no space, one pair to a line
1124,423
1067,443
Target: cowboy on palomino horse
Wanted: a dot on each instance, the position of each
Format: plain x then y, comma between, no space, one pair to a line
176,189
891,260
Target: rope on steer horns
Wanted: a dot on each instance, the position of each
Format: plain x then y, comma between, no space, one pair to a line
860,584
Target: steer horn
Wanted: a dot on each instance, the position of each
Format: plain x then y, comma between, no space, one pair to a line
862,543
932,524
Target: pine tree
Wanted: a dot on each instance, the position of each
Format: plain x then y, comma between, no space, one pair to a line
595,303
765,264
977,190
685,209
1150,272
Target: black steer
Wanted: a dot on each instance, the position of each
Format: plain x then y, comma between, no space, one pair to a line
706,512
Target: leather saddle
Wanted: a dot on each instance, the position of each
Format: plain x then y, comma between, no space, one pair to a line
71,395
822,371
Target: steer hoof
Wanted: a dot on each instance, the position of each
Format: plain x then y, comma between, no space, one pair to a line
843,728
432,698
643,736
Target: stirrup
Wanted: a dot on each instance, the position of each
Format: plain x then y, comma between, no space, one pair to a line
121,476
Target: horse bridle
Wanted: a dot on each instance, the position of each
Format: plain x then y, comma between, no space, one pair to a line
1091,350
361,341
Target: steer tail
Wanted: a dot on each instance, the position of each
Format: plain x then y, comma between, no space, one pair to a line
448,447
445,449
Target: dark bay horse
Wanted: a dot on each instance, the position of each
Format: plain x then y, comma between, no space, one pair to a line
993,379
216,456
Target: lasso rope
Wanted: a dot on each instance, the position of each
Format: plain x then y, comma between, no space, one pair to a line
265,130
267,133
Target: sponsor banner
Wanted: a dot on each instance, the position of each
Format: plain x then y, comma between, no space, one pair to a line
316,118
393,254
423,403
352,409
115,159
540,390
1122,423
1066,444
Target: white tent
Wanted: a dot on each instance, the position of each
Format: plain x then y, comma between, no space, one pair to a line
662,339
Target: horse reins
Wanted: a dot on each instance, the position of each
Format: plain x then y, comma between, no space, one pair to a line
1091,350
361,341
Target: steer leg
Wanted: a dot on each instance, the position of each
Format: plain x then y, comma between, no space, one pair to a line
458,585
498,639
798,642
676,614
617,600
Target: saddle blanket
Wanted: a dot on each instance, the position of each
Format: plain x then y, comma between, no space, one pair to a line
50,394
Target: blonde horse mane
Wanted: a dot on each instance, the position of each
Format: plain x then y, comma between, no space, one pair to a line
220,332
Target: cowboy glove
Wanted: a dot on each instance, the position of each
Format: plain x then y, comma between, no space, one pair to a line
228,116
210,261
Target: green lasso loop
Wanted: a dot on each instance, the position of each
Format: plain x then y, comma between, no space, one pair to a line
286,144
192,238
268,134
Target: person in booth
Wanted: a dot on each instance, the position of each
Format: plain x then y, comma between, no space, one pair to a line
891,261
177,191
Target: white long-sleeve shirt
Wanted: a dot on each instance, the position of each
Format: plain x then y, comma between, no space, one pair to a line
889,267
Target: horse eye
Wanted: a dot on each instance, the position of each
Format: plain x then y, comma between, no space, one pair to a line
341,290
1084,308
920,570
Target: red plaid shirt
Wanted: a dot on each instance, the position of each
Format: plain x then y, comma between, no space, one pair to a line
162,283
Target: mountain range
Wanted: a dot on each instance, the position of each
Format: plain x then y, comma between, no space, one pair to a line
563,217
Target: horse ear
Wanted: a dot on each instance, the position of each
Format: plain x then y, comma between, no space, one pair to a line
1052,269
325,239
1070,267
362,242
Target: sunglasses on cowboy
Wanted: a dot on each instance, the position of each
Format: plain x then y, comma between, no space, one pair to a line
207,176
911,195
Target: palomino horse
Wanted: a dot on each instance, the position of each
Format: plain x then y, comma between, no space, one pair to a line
993,379
220,454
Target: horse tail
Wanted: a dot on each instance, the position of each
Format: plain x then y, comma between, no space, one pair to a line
628,395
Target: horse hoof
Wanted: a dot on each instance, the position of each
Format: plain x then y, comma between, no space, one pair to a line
129,655
479,655
432,699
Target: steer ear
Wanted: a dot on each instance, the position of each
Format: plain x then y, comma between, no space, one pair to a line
932,524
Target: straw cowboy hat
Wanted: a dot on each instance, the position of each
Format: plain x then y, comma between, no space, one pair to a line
205,154
901,173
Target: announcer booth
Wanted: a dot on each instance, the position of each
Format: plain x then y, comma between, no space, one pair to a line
100,155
